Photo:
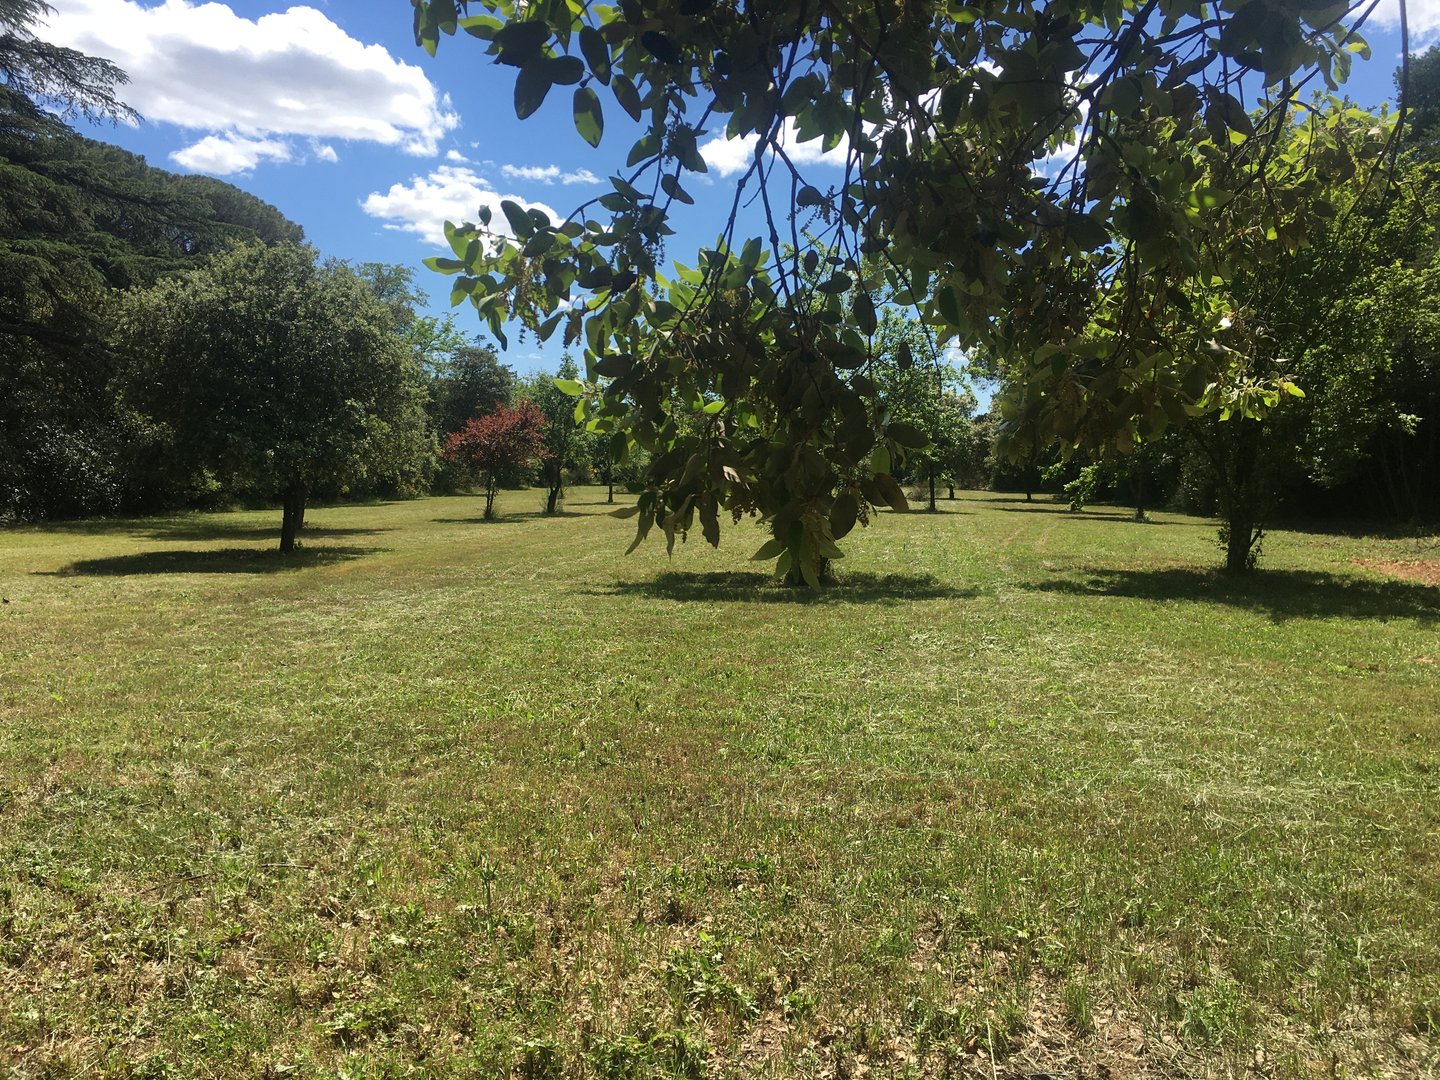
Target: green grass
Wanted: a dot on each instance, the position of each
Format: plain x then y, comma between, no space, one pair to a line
443,798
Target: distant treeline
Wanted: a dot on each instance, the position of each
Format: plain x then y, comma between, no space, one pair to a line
80,221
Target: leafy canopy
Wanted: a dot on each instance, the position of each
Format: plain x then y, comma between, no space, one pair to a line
279,370
1036,181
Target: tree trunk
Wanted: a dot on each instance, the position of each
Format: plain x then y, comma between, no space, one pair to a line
952,490
292,518
610,490
932,487
1242,509
490,487
1140,494
552,499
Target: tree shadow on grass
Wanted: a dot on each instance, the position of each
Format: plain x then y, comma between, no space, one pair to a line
756,587
216,561
509,517
1280,594
220,530
1094,514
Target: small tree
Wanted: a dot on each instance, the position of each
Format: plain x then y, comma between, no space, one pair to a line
497,443
564,439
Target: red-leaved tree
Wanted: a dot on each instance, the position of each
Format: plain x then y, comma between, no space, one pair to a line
496,443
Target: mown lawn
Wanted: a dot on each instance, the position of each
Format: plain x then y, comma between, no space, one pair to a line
1028,793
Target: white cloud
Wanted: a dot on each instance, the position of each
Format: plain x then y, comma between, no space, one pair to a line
456,156
543,174
324,152
1423,15
230,153
448,193
292,73
548,174
730,156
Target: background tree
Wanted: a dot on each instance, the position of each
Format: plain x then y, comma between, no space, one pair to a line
280,372
565,441
470,383
917,387
497,444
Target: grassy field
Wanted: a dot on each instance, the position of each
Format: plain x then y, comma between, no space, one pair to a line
1028,793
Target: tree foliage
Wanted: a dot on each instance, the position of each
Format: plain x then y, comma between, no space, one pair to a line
43,77
1043,182
78,220
498,443
280,371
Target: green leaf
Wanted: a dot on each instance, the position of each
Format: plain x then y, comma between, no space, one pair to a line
891,492
569,387
949,305
660,47
566,70
589,121
671,187
864,312
520,222
843,513
907,435
531,86
626,94
648,145
710,522
596,52
1087,231
771,549
682,143
481,26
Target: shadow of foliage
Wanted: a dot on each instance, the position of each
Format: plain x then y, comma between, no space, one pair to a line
1280,594
509,517
757,587
216,561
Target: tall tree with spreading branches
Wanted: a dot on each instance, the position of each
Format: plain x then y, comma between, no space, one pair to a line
281,372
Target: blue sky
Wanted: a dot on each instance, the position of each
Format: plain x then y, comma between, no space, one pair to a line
330,112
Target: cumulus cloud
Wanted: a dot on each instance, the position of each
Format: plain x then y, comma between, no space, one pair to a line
231,153
324,152
1424,17
291,73
447,193
730,156
548,174
456,156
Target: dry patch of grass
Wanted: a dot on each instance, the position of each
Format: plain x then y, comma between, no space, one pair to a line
1427,572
